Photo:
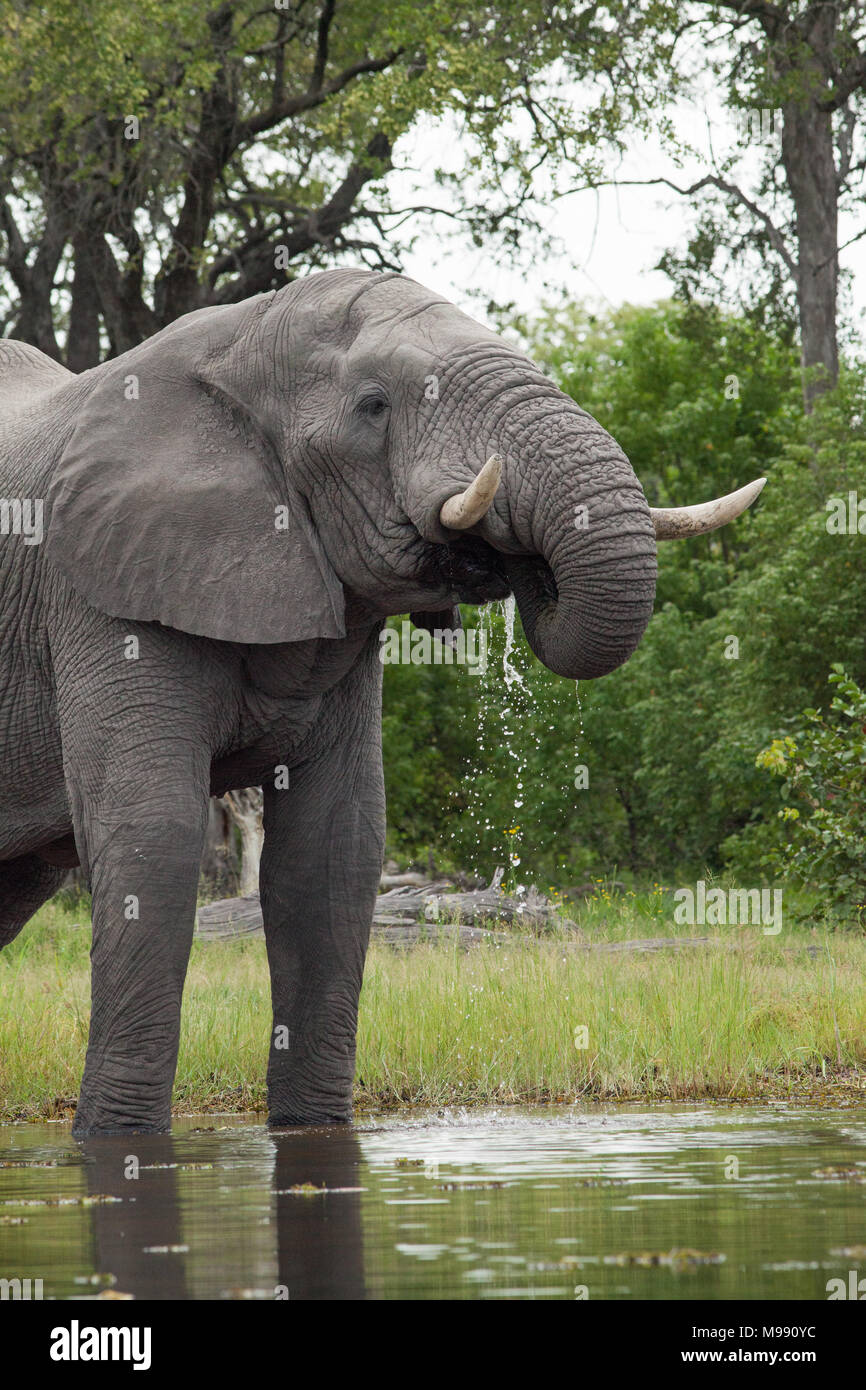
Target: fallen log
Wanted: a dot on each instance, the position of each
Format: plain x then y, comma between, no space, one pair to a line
230,917
407,880
528,909
234,918
408,903
408,934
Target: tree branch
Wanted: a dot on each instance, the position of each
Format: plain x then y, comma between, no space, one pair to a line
255,259
322,33
177,289
128,319
853,78
754,9
17,257
309,100
777,241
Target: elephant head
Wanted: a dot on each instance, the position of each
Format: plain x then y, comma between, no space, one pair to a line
355,437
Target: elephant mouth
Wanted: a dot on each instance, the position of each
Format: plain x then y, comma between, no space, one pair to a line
472,570
537,572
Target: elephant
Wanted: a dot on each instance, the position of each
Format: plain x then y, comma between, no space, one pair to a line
201,541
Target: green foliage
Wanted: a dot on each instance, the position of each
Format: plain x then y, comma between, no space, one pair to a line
427,731
823,767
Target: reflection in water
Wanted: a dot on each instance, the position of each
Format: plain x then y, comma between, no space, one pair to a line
312,1177
146,1217
319,1240
670,1201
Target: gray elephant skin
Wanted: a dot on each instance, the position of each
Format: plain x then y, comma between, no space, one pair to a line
231,511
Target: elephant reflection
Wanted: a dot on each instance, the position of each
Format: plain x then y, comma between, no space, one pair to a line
242,1228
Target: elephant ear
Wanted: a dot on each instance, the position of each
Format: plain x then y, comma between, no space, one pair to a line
169,503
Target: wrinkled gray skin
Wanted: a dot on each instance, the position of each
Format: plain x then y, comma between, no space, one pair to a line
258,629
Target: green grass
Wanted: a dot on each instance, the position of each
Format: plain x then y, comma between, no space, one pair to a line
759,1017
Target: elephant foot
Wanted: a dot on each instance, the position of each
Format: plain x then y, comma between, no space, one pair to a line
122,1100
281,1120
313,1083
294,1108
105,1132
93,1121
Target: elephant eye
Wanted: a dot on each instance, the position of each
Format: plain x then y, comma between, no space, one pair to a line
373,405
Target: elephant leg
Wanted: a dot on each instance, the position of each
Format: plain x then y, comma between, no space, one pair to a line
25,884
137,743
322,859
142,843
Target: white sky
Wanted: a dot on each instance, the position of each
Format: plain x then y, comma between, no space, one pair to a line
612,237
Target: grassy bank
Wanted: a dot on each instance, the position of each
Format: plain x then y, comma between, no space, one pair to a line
772,1017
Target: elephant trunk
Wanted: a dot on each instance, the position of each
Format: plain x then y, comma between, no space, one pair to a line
584,575
559,501
591,626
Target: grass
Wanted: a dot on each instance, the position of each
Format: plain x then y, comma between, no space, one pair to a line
759,1017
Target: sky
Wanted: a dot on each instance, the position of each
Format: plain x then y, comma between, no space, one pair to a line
611,237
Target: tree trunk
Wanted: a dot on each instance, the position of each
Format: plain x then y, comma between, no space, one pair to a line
220,866
82,344
245,809
808,154
809,159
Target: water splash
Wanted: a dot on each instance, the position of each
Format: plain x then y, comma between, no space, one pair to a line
509,670
519,713
473,765
578,741
516,716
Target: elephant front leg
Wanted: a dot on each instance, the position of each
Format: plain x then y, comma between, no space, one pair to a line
322,859
138,709
144,868
140,835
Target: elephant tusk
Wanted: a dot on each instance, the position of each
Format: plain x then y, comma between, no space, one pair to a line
467,508
672,523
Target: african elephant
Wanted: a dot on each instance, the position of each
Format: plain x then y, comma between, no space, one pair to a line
201,541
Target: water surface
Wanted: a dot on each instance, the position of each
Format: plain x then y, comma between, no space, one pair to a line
563,1202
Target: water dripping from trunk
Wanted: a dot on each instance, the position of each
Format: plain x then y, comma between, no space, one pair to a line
516,716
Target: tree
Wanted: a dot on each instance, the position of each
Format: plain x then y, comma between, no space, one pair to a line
134,156
245,809
794,75
159,157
